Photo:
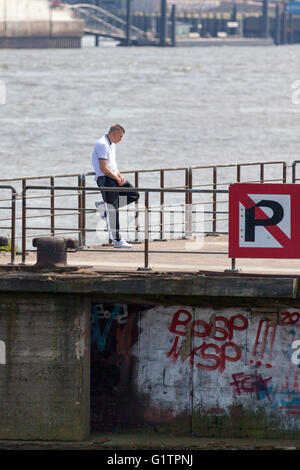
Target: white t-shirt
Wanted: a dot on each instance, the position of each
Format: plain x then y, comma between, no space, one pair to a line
104,150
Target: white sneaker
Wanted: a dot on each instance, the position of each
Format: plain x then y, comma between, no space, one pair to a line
100,206
122,244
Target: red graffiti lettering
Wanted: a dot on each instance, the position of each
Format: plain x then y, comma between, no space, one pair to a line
209,355
289,318
177,322
215,357
204,325
264,342
250,383
174,352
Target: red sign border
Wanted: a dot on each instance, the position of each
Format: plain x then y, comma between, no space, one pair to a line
236,191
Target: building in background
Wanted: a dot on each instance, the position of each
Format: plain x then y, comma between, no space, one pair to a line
38,24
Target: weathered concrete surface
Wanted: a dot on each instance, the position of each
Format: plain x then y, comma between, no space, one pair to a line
32,23
211,256
179,352
140,441
44,367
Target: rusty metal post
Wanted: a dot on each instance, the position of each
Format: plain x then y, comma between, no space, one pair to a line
146,235
162,201
83,213
214,228
13,228
190,210
52,207
262,173
238,173
284,169
79,213
294,172
23,222
186,200
136,223
146,230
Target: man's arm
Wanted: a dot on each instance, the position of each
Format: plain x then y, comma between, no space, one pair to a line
104,168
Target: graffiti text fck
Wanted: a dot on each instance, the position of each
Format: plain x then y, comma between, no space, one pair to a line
209,355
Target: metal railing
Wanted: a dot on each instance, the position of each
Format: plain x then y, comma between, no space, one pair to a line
146,210
59,204
12,219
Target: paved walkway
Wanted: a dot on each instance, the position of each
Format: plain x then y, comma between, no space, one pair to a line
145,441
164,257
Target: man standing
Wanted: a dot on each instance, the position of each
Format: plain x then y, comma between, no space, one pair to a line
107,175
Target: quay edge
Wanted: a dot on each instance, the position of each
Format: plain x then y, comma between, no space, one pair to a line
52,387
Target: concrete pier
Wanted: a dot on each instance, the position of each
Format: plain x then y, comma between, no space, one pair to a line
34,24
180,349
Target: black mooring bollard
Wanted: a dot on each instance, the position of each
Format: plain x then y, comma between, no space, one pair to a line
52,251
3,241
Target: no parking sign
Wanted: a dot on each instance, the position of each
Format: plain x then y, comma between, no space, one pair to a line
264,220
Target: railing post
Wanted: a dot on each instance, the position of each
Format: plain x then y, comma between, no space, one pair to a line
136,218
188,202
284,172
83,213
162,202
23,222
79,213
146,235
52,204
293,172
238,173
13,227
262,173
215,182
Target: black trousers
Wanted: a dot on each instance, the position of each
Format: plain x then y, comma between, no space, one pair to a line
114,201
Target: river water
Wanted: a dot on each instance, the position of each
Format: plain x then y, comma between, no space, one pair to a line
180,106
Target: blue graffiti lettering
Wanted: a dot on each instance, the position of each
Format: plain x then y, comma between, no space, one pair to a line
97,336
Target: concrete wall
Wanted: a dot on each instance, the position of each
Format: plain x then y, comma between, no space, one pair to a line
212,355
22,29
44,367
212,371
34,19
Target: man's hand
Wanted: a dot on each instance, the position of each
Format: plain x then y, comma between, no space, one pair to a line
121,179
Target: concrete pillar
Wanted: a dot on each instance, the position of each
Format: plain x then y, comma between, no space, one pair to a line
45,375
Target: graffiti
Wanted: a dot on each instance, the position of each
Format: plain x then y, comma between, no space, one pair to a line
290,318
97,336
2,353
250,383
263,334
124,337
103,314
211,355
295,355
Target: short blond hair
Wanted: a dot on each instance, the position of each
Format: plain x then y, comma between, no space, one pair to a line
116,127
